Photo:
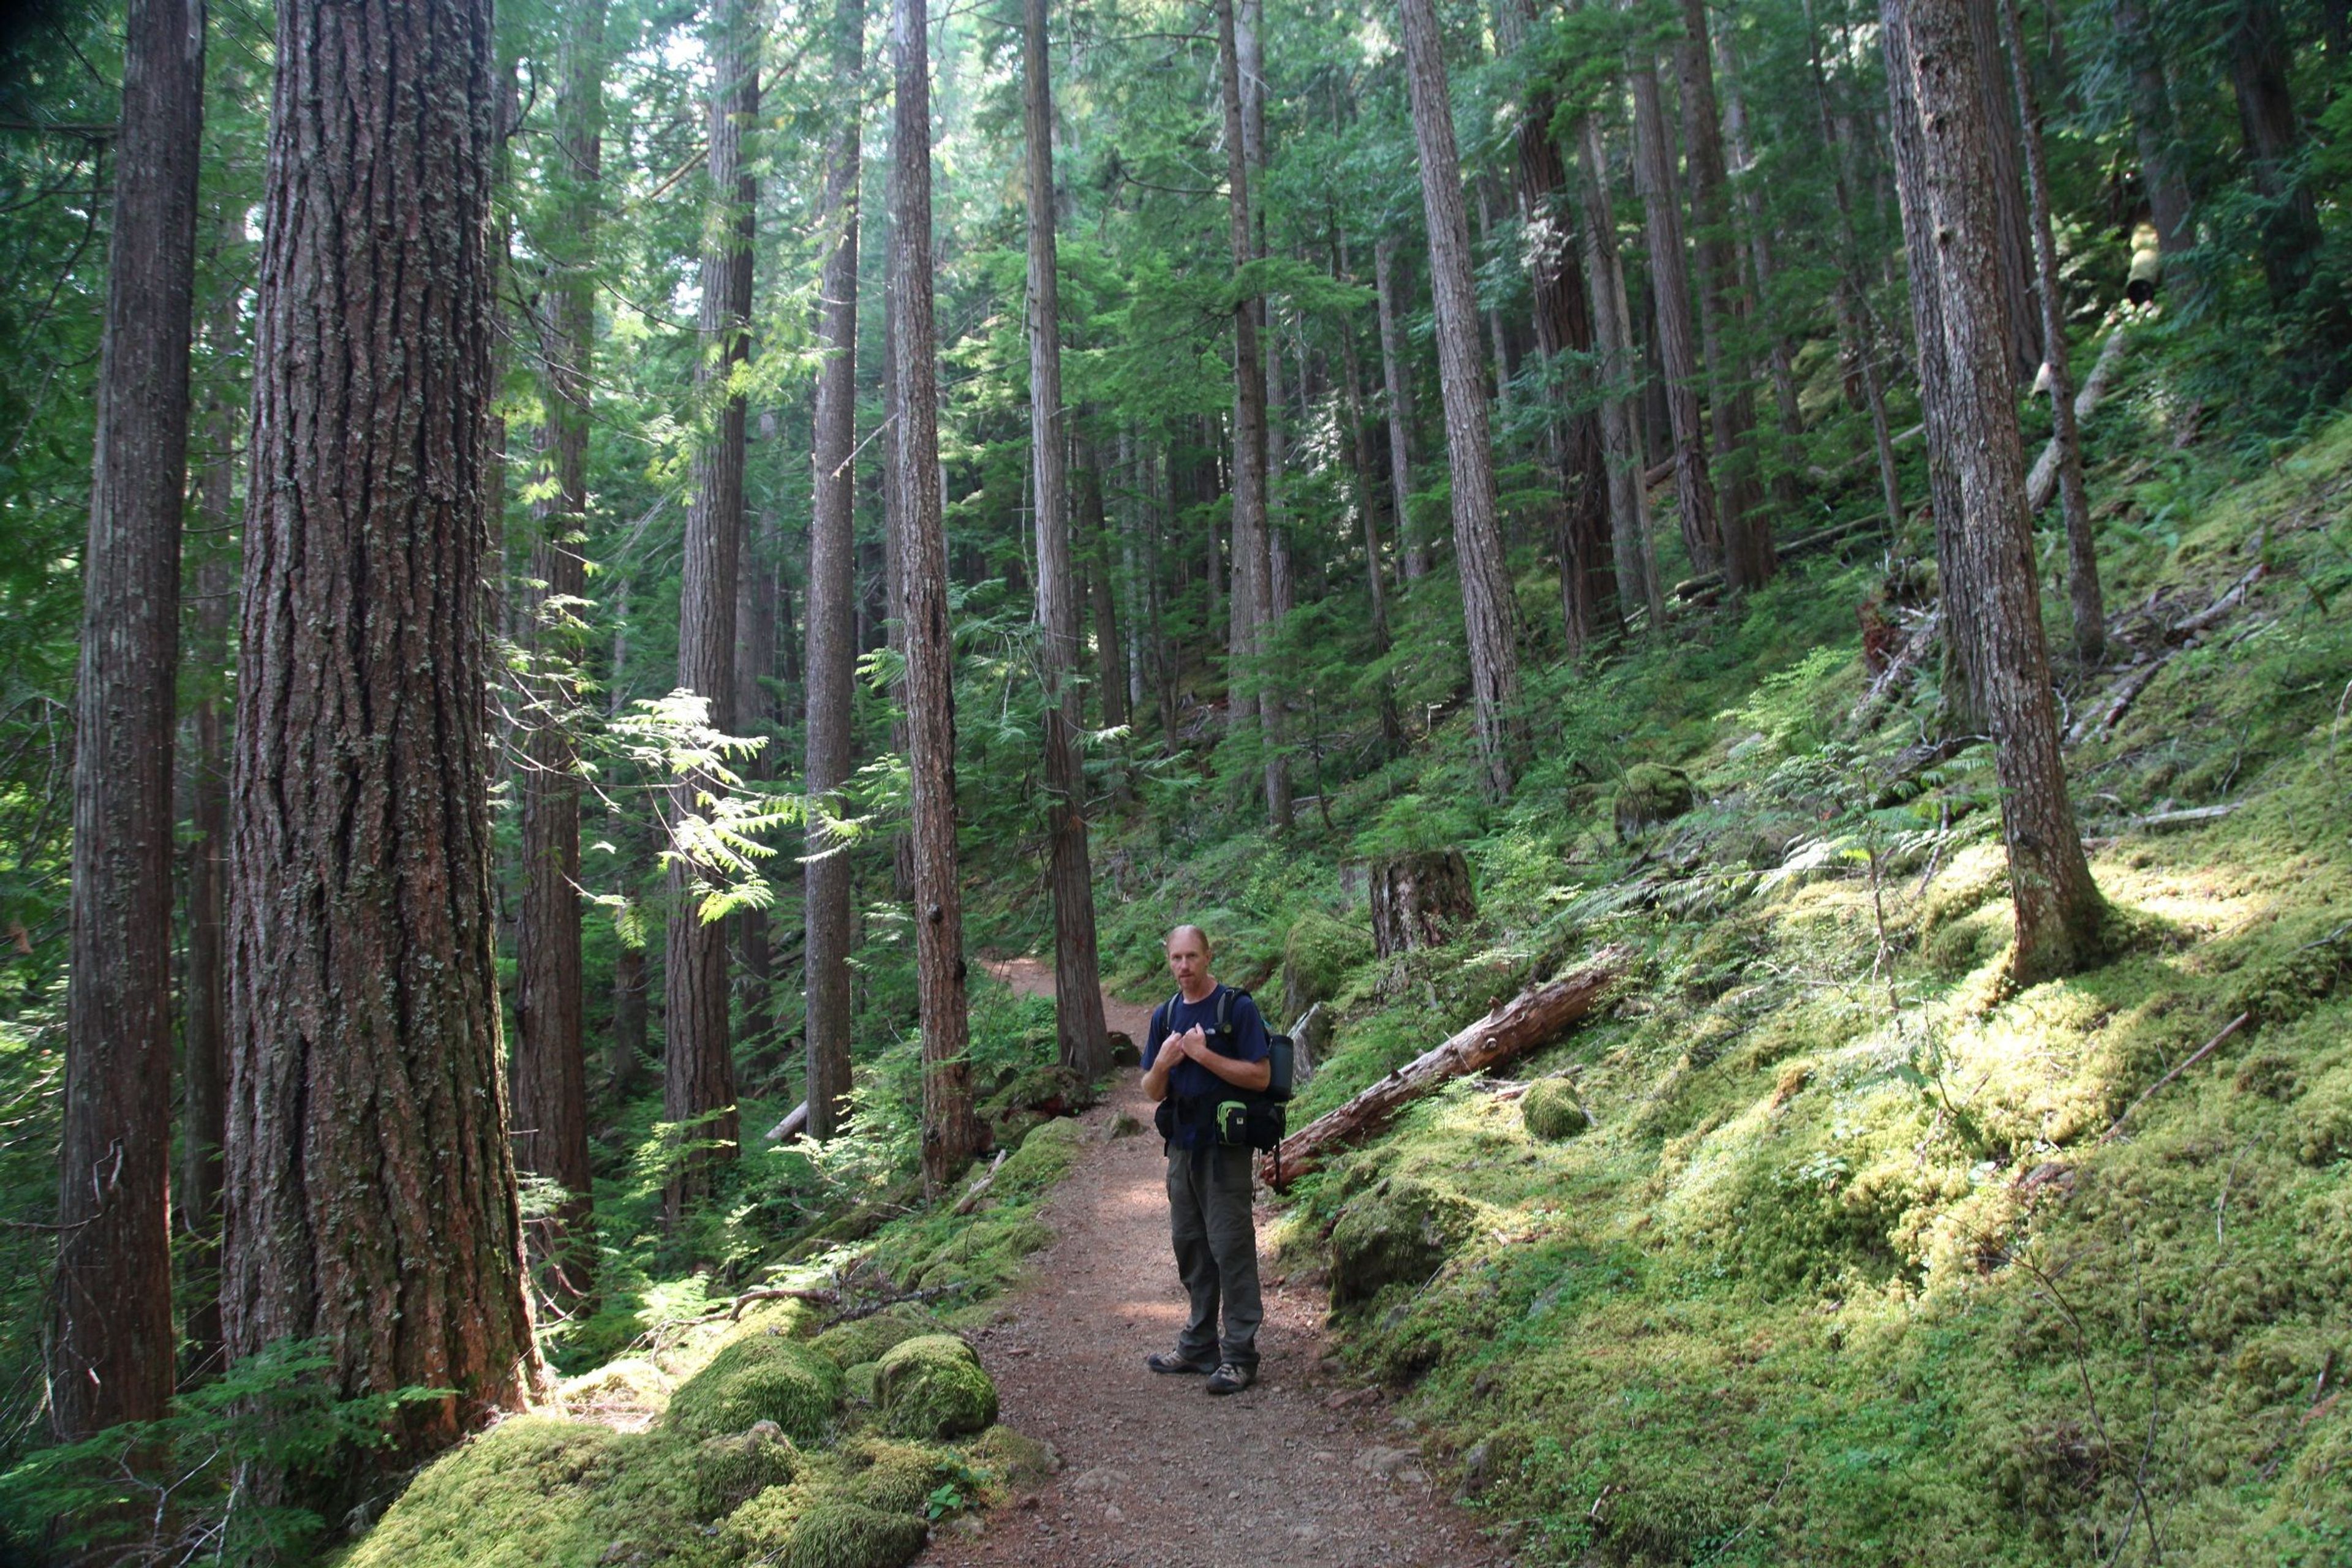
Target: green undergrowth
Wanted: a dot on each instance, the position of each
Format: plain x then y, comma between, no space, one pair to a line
1821,1242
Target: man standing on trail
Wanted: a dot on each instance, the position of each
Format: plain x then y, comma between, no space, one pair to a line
1206,1042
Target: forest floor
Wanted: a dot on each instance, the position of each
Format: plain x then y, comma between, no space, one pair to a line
1309,1467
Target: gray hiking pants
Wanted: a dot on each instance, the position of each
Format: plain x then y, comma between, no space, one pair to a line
1216,1250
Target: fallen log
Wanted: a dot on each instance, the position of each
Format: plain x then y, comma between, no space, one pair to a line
794,1123
1690,588
2043,483
2102,719
1530,1019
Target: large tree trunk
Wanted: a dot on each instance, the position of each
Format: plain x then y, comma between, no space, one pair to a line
2272,135
550,1068
371,1193
1853,334
1746,531
111,1347
2152,130
1781,354
203,1102
1249,552
1396,378
951,1132
1529,1020
1604,276
1654,175
832,660
1563,321
1083,1036
1489,616
698,1065
1419,900
2057,905
1963,702
2015,254
2083,595
1375,574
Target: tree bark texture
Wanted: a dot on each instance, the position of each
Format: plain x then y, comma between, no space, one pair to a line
1744,530
1080,1032
1489,616
2057,906
371,1191
951,1132
550,1067
1529,1020
1604,278
2090,615
832,659
2015,255
1396,378
110,1350
1563,321
1248,607
1653,172
1963,703
698,1067
2153,130
1420,899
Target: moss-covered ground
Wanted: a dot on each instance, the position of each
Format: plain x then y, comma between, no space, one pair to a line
1824,1243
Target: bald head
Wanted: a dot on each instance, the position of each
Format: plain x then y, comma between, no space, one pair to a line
1192,934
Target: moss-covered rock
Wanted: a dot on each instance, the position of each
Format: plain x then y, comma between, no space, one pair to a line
1399,1232
1010,1458
1649,795
530,1493
759,1377
719,1475
1046,1153
1550,1110
934,1387
1316,959
837,1535
894,1477
865,1338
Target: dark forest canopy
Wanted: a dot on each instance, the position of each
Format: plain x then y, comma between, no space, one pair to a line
550,616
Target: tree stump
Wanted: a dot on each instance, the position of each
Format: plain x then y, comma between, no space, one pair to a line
1418,899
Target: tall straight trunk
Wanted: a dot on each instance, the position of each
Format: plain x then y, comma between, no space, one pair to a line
1396,378
551,1067
2021,322
1654,175
1963,703
1746,531
203,1032
757,587
698,1065
372,1204
1359,452
2153,131
111,1326
1489,616
2252,35
1082,1035
1249,514
2057,906
894,556
1110,627
951,1132
832,660
1563,321
1780,351
1629,494
2083,595
1854,330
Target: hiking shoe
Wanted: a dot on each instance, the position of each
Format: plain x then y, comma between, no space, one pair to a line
1177,1361
1231,1379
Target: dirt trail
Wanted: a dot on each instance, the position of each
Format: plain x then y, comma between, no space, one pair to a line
1308,1469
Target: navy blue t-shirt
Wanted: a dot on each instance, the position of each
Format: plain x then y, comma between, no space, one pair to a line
1247,1042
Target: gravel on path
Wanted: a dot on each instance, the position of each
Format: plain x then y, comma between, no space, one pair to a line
1308,1470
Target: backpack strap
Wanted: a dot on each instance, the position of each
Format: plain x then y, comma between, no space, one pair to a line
1224,1009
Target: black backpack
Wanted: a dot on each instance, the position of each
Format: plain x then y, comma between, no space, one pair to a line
1263,1117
